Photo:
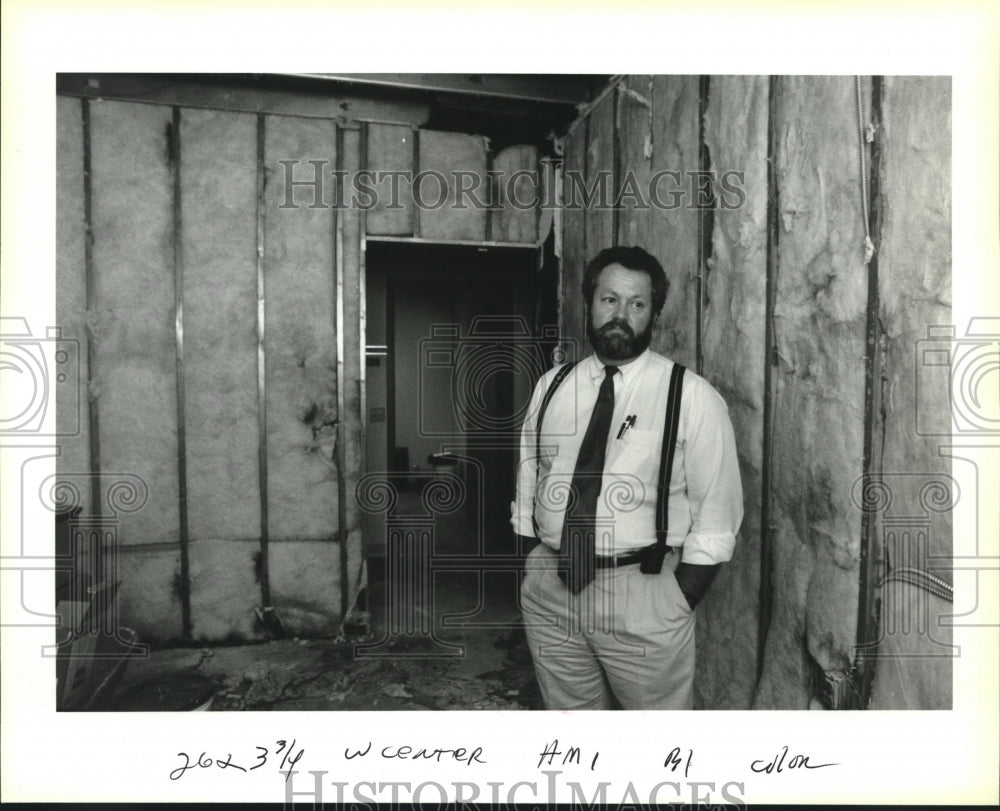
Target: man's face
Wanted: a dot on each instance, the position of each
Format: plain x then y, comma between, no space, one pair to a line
621,320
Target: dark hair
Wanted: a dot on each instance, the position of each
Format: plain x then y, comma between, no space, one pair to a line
634,258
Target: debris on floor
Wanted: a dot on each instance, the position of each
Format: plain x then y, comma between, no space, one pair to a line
494,673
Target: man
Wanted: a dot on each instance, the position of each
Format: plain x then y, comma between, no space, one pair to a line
602,617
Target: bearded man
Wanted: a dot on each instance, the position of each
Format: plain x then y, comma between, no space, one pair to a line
610,591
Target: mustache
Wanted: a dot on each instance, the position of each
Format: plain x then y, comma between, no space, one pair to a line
616,322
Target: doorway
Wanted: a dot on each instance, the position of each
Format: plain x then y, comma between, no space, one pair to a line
456,338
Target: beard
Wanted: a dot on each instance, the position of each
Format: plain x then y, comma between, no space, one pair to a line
615,339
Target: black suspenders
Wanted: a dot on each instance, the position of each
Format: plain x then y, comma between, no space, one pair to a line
671,421
653,562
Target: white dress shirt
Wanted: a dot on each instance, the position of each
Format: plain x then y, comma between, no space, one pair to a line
705,504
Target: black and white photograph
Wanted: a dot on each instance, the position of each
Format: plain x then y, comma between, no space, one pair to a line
511,397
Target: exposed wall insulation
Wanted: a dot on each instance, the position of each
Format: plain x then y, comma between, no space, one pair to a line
599,165
134,329
224,588
914,294
149,597
306,586
574,249
516,220
447,153
673,233
352,424
300,341
635,146
219,193
820,311
71,297
736,124
134,375
390,149
301,385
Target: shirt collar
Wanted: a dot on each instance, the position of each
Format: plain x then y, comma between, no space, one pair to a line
629,370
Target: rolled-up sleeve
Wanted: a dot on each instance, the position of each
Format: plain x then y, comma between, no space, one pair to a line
712,472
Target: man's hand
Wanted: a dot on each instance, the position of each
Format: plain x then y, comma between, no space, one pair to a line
694,580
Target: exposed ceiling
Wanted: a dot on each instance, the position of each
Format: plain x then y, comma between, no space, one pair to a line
507,108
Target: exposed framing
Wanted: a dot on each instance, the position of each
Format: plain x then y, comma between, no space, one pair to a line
766,590
93,415
174,151
265,579
869,604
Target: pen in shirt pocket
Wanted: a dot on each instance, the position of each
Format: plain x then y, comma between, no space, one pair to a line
628,423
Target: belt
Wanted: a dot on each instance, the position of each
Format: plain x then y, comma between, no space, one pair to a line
614,561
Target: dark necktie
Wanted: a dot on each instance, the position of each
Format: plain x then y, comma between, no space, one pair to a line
578,535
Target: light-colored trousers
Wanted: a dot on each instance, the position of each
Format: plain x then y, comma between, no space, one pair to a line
627,633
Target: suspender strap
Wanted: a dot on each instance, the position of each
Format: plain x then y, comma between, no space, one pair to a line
671,421
652,562
560,376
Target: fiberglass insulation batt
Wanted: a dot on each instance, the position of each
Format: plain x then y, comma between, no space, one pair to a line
218,199
915,657
668,231
390,150
73,464
819,333
301,383
734,357
442,156
134,377
518,180
660,135
574,253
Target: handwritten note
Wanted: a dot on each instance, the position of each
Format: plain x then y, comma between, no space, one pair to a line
777,765
260,759
577,766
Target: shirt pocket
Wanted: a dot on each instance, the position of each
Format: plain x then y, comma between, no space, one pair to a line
630,470
634,448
